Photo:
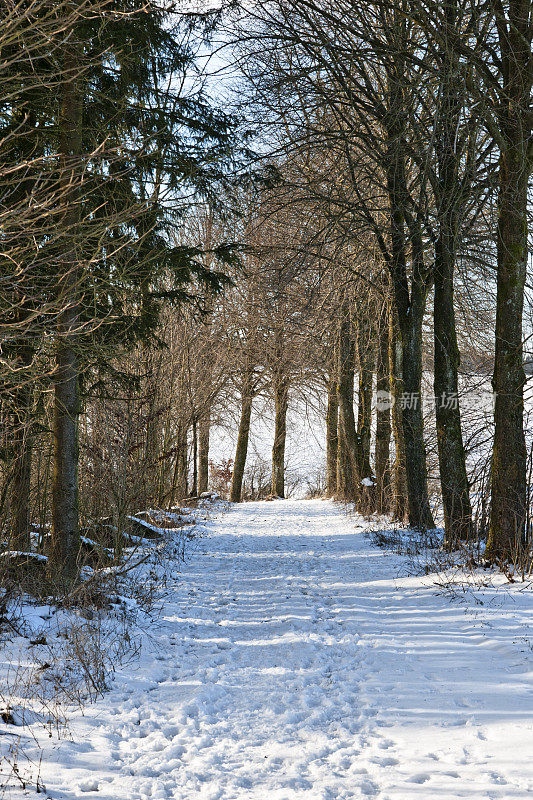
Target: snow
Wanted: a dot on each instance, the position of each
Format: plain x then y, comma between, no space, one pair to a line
149,527
20,553
295,660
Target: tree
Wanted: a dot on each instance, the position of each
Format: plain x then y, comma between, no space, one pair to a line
364,134
64,543
33,216
382,93
514,27
383,413
108,156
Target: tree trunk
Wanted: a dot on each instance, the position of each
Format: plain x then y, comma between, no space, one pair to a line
350,445
203,453
332,436
20,486
65,535
64,546
508,490
242,443
410,305
151,453
366,357
383,414
452,465
194,487
181,470
410,328
281,400
22,351
420,516
399,487
344,474
22,448
164,483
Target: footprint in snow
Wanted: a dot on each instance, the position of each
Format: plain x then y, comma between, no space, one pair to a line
385,744
89,785
420,777
368,788
499,779
388,761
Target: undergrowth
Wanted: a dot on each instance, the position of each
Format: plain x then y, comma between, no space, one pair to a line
60,653
455,572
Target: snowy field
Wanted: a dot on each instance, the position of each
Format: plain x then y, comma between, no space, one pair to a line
305,459
295,660
305,456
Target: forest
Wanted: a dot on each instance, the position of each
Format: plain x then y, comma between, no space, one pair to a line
230,230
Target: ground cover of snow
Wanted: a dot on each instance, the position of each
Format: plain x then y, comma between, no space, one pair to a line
294,659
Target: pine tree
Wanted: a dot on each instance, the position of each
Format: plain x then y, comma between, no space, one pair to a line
114,110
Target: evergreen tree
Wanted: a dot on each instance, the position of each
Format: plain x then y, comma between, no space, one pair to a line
126,141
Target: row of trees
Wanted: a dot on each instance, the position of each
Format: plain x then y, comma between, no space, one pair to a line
106,140
409,123
150,291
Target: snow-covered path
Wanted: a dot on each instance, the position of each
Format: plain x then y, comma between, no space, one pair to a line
291,661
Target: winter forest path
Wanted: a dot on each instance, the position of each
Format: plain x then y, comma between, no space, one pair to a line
293,661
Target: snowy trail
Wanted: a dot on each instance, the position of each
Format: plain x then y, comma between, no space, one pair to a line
291,662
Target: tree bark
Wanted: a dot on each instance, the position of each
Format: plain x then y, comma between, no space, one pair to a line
399,486
332,436
151,451
194,487
241,450
351,469
452,465
65,535
64,546
203,453
22,448
281,401
508,489
420,516
383,414
366,356
20,486
181,469
344,474
22,351
410,305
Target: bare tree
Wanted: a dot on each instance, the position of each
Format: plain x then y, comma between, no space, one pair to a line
512,85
